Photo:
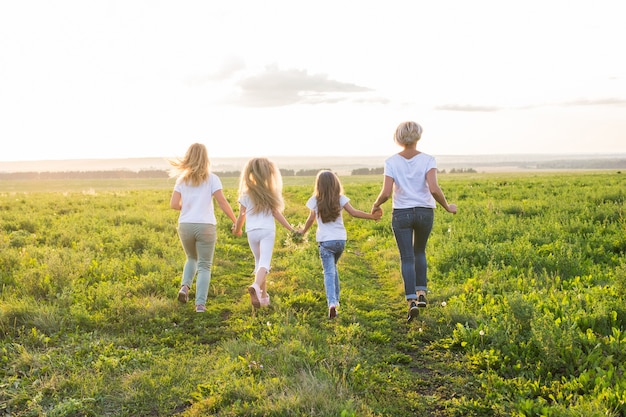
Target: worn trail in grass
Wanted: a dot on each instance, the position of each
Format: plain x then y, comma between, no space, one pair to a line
525,317
290,359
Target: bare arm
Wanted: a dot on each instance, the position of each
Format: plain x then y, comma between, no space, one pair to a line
309,222
375,215
281,219
238,227
384,194
437,193
224,205
176,201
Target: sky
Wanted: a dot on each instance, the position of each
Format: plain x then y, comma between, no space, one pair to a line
132,78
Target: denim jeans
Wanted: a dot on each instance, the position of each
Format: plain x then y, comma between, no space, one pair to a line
411,227
198,240
330,252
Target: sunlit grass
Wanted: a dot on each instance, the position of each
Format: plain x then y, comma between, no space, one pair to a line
526,307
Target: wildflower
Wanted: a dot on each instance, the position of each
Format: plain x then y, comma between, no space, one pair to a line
482,332
443,304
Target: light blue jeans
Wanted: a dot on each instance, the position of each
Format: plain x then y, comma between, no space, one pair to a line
198,240
411,227
330,252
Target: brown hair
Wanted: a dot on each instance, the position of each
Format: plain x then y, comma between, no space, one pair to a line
327,191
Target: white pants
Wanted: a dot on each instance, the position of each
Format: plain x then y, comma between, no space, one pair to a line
261,243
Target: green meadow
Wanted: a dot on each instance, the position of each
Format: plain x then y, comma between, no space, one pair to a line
526,314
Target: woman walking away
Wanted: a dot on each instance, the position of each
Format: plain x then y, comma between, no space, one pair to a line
326,205
193,196
260,203
411,176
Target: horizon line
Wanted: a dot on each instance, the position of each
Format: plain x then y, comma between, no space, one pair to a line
531,154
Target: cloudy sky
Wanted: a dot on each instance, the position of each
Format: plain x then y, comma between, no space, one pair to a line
135,78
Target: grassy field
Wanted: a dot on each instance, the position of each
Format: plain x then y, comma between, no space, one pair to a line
526,312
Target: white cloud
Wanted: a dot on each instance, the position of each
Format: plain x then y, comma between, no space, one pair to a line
83,78
274,87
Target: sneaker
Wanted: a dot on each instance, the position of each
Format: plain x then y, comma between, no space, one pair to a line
413,311
332,312
183,294
255,293
200,308
421,301
265,301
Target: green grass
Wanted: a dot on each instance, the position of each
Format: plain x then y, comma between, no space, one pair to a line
526,306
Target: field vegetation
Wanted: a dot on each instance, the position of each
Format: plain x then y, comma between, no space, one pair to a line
526,315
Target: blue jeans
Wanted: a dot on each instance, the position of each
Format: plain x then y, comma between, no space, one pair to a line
411,227
198,240
330,252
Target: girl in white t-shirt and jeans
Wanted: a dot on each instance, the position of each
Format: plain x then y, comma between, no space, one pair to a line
412,178
193,196
326,205
260,203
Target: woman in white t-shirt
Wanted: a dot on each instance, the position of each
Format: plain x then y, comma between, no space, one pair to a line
193,196
411,176
326,205
260,203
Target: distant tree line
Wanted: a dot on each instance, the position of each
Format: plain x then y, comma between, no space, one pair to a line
615,163
284,172
159,173
79,175
121,174
368,171
460,171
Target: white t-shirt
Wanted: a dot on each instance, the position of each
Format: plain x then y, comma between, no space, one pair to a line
256,219
197,201
334,230
410,188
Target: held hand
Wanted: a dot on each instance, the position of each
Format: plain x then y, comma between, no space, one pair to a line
376,210
378,214
233,230
452,208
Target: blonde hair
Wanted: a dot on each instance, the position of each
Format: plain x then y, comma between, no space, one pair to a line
194,167
261,180
328,190
407,133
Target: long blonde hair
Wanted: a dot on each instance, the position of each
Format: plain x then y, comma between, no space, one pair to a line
194,167
328,190
261,180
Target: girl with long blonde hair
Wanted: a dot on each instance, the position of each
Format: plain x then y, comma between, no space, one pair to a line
193,195
260,204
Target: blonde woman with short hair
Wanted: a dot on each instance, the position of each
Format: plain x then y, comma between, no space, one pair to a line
411,177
